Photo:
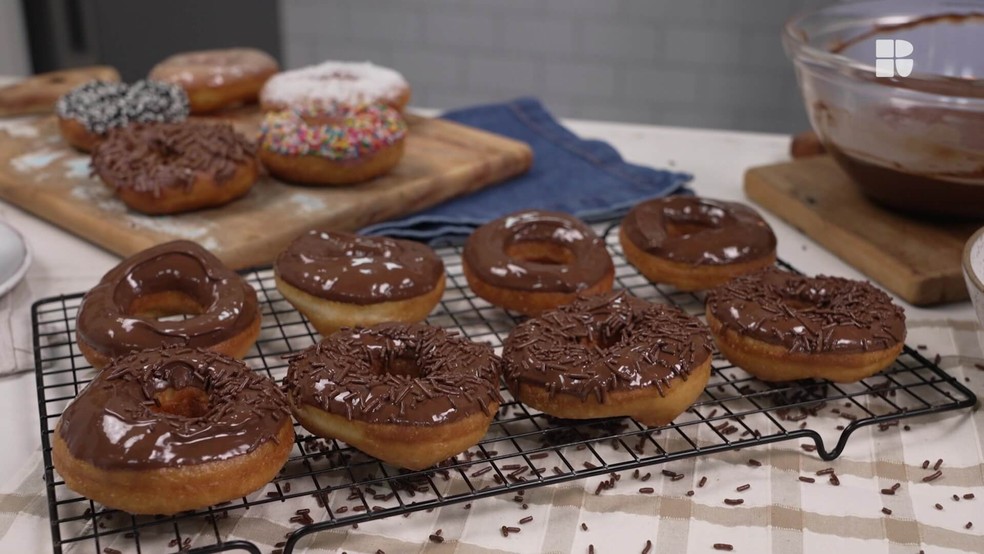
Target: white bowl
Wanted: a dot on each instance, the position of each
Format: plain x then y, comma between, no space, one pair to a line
973,270
14,258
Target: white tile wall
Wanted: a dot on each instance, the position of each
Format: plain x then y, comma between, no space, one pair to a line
700,63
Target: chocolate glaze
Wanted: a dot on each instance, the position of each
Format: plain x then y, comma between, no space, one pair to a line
487,247
394,373
809,314
711,232
605,343
150,158
360,270
116,422
228,302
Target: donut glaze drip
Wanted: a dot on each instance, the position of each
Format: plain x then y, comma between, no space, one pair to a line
393,373
361,270
604,343
809,314
699,231
228,303
117,422
101,106
151,158
487,253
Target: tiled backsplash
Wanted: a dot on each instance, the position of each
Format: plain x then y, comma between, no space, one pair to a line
697,63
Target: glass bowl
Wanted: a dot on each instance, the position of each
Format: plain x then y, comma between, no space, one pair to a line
895,91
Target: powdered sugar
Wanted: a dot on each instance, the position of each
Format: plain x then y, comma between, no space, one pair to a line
333,81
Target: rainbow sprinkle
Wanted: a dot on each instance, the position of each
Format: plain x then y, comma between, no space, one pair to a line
353,132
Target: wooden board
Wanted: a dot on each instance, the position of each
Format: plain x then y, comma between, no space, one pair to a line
41,174
917,259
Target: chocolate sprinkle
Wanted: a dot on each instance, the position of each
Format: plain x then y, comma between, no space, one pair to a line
723,546
734,501
932,477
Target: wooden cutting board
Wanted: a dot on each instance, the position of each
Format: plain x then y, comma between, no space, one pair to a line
42,175
917,259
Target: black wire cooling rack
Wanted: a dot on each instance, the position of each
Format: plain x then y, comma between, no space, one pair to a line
327,484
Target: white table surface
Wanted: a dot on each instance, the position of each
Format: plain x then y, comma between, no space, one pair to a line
717,160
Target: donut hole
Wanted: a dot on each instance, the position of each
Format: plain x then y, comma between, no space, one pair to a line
401,365
689,227
541,252
188,402
170,305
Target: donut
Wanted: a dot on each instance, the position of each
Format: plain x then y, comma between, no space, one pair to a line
335,145
342,280
170,168
39,93
171,429
534,260
120,314
335,82
91,110
409,395
609,355
217,79
780,326
695,243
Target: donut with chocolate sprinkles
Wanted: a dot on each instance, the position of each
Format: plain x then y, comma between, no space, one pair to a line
780,326
410,395
170,168
165,430
609,355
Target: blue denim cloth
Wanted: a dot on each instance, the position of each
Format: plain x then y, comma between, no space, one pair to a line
587,178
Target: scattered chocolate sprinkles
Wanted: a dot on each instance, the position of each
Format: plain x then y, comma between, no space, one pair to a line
702,482
969,496
938,506
526,520
754,463
649,546
734,501
938,464
744,487
807,479
646,490
969,525
436,538
932,477
723,546
886,511
584,526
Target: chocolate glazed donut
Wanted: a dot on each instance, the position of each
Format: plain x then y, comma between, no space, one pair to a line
609,355
696,243
172,429
410,395
343,280
120,314
780,326
534,260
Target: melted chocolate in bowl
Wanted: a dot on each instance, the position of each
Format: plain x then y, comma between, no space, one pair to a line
911,142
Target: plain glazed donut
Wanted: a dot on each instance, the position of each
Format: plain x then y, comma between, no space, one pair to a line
535,260
410,395
336,145
88,112
609,355
217,79
334,82
780,326
119,315
39,93
343,280
167,430
171,168
696,243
